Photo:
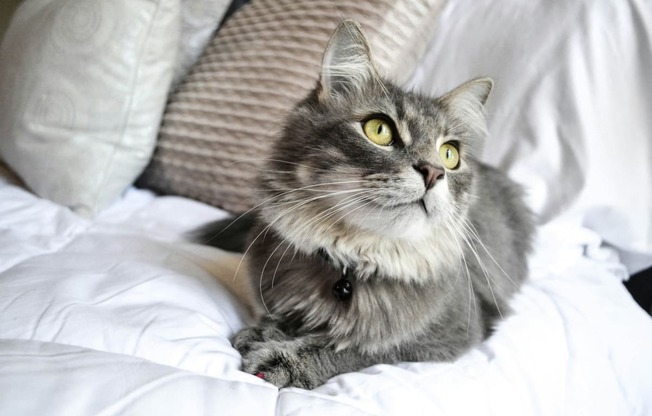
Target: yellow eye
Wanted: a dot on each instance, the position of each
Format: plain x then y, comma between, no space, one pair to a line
450,156
378,131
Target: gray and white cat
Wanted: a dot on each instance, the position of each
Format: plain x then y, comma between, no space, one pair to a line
379,237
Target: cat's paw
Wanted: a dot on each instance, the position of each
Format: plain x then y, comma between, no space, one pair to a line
246,339
252,338
280,364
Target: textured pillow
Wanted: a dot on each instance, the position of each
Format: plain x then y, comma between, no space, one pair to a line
84,85
219,124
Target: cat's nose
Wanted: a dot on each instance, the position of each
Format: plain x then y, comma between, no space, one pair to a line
430,174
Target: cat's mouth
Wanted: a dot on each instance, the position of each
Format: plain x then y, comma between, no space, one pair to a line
422,203
406,206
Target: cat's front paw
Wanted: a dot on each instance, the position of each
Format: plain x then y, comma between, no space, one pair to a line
282,365
246,340
252,338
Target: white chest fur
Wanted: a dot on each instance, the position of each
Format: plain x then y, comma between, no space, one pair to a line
372,254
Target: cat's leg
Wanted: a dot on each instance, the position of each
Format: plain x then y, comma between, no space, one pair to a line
309,360
305,362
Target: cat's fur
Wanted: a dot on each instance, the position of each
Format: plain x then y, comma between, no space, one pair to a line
432,270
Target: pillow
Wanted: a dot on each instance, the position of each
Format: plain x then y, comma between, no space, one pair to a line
569,117
219,123
199,20
84,84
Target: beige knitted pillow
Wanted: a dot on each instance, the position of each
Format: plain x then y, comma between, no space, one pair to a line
219,123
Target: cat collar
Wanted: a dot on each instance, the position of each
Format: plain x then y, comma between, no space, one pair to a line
342,289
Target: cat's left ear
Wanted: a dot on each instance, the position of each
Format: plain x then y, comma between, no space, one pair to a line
347,64
466,102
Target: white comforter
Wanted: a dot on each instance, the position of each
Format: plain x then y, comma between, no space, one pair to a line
120,315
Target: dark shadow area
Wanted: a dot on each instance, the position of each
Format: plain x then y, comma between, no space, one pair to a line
640,287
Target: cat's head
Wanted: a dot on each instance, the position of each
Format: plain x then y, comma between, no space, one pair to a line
363,154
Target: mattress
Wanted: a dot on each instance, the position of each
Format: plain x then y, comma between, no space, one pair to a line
122,315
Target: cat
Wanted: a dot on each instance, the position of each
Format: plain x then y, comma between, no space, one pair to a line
379,237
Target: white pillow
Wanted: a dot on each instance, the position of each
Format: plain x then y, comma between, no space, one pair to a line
84,84
199,20
570,115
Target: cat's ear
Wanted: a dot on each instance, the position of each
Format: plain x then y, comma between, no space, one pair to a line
466,102
347,63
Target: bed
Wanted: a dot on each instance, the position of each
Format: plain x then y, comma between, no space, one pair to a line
107,308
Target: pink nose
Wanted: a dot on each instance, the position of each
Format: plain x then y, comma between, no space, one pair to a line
430,174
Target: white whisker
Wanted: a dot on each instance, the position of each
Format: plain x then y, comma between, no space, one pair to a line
456,224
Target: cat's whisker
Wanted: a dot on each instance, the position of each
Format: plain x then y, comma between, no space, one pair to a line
343,204
251,160
300,231
264,231
468,241
280,260
328,213
355,198
317,198
348,213
325,193
262,272
276,171
281,215
472,298
483,267
287,191
364,219
262,299
379,216
268,200
475,235
296,251
313,187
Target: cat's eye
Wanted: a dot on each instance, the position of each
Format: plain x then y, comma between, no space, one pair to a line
378,131
450,156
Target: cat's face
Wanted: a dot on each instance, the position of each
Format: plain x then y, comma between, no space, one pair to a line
361,152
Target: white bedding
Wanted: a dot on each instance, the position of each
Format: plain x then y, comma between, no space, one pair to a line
120,315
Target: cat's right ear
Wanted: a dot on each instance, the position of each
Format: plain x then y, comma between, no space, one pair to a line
347,63
466,103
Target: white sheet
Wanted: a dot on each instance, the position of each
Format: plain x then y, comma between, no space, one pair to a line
119,315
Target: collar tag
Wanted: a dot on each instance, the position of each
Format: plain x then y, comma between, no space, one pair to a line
343,289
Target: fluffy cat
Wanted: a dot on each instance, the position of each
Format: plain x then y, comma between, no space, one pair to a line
379,237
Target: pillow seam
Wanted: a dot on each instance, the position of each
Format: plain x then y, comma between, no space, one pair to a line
111,160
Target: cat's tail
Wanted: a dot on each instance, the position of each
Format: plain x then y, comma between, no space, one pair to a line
230,234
